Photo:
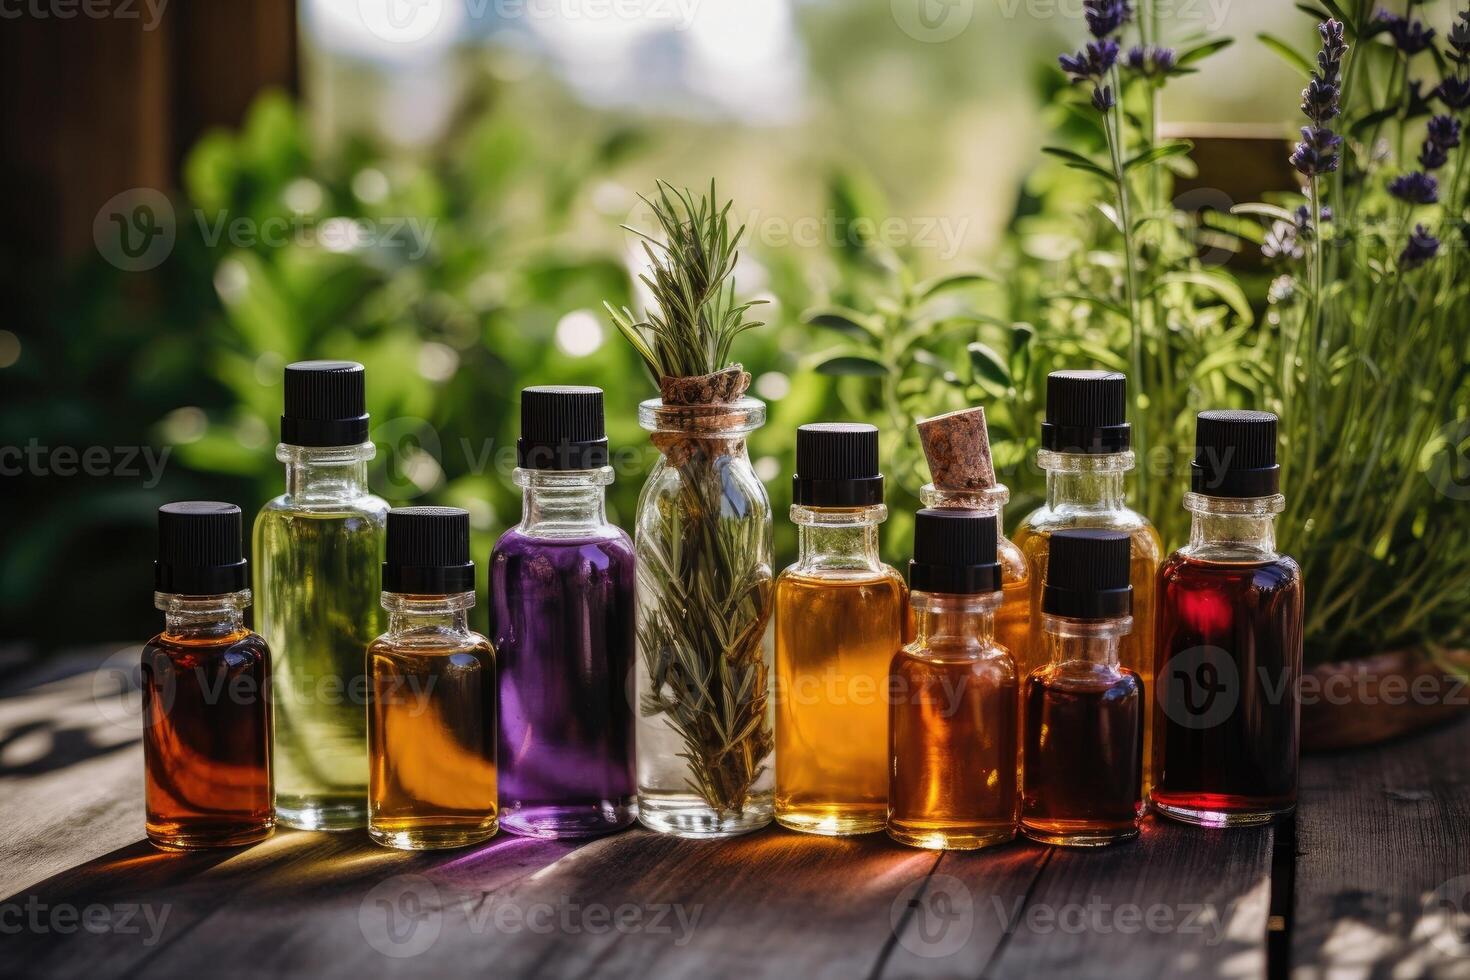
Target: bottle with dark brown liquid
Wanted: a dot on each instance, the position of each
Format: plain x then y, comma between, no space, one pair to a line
206,711
1229,638
1084,711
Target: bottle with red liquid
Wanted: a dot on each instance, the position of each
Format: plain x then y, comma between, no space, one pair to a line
1229,638
206,711
562,616
1083,782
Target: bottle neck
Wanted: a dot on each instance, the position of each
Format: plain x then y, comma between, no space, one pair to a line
439,613
1233,528
1080,482
1092,641
563,503
326,473
955,621
986,500
838,538
199,617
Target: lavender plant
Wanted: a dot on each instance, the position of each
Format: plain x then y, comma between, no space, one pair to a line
1371,324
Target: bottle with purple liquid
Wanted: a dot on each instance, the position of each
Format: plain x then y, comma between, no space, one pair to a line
562,618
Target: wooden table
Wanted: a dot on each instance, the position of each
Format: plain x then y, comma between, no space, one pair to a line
1353,889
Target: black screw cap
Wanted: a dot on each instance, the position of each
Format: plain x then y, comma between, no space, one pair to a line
199,551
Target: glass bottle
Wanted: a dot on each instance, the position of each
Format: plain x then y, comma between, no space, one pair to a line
1085,454
431,693
206,713
703,543
1013,619
1229,637
953,737
318,554
1083,747
561,587
840,613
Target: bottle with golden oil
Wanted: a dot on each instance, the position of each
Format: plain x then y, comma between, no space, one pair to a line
318,557
1083,783
1085,452
431,715
840,613
953,737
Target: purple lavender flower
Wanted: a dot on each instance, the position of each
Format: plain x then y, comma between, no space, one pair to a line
1317,152
1459,37
1092,62
1102,98
1421,248
1415,187
1454,93
1443,136
1105,17
1302,219
1321,103
1409,36
1150,61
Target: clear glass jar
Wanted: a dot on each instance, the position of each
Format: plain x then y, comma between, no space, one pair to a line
704,597
318,574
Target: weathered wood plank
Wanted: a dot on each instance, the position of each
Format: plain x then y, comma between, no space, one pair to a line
1383,839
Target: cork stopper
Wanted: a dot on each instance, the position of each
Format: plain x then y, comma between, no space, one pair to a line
957,446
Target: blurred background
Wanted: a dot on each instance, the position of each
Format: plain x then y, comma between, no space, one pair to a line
198,193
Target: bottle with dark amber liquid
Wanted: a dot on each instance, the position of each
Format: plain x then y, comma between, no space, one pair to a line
431,692
206,710
1229,638
953,737
1083,784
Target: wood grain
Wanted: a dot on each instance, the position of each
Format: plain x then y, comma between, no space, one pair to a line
1383,835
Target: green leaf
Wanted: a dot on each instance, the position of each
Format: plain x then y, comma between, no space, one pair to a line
1221,285
1372,120
852,366
989,366
1264,210
1078,162
1202,51
1173,148
939,284
1097,301
1289,54
1101,355
844,321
